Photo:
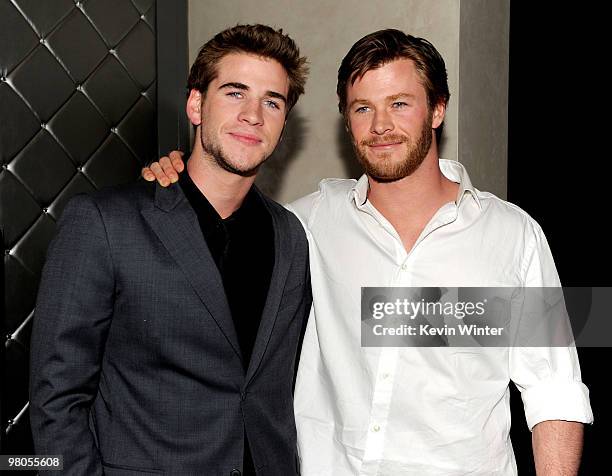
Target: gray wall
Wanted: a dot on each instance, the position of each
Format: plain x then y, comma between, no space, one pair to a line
315,145
483,92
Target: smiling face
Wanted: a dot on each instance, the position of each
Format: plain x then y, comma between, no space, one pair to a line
390,122
242,114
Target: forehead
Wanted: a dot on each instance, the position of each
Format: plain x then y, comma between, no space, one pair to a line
254,71
397,77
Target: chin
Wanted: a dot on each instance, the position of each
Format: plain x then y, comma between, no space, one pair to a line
246,168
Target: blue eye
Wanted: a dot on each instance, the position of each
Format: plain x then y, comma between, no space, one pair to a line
362,109
272,104
399,104
235,94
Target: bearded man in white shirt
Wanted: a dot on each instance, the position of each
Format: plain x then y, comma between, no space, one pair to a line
416,220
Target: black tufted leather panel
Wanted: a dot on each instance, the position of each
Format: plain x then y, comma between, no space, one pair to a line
78,112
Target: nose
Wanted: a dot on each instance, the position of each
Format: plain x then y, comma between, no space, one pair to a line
381,123
251,113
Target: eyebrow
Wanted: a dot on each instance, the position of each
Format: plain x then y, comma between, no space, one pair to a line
274,94
401,95
360,101
241,86
244,87
394,97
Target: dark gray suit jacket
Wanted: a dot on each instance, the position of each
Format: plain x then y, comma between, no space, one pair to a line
135,363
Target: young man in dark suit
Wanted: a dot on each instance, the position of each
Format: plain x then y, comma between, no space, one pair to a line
168,320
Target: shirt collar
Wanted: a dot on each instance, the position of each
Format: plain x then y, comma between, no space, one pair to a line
360,191
456,172
451,169
251,206
207,215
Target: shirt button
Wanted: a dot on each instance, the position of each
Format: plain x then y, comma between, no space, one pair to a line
376,428
404,267
235,472
385,375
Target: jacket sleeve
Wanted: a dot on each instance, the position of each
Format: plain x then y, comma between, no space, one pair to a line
72,318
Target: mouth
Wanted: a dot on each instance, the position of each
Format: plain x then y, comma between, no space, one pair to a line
248,139
384,146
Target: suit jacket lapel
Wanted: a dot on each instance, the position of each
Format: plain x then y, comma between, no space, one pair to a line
283,253
176,225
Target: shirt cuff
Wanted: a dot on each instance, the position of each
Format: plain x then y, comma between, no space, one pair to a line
557,400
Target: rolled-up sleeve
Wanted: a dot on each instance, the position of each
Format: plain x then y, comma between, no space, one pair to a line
550,384
548,377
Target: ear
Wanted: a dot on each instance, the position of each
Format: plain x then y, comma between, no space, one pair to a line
438,115
194,107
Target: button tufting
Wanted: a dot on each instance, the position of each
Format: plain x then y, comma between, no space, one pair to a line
69,70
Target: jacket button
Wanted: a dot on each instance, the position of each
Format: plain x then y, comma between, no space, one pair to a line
235,472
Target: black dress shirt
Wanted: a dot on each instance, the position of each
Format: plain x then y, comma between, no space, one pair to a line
242,246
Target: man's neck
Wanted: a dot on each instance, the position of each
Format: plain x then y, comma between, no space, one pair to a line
224,190
410,203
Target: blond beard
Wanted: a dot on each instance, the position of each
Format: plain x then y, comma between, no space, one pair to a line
383,169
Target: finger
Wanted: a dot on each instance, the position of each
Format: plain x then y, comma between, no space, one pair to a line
168,169
159,174
147,174
176,157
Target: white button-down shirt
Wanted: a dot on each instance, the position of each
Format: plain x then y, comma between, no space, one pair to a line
420,411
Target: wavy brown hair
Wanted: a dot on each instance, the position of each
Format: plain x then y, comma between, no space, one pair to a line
383,46
259,40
